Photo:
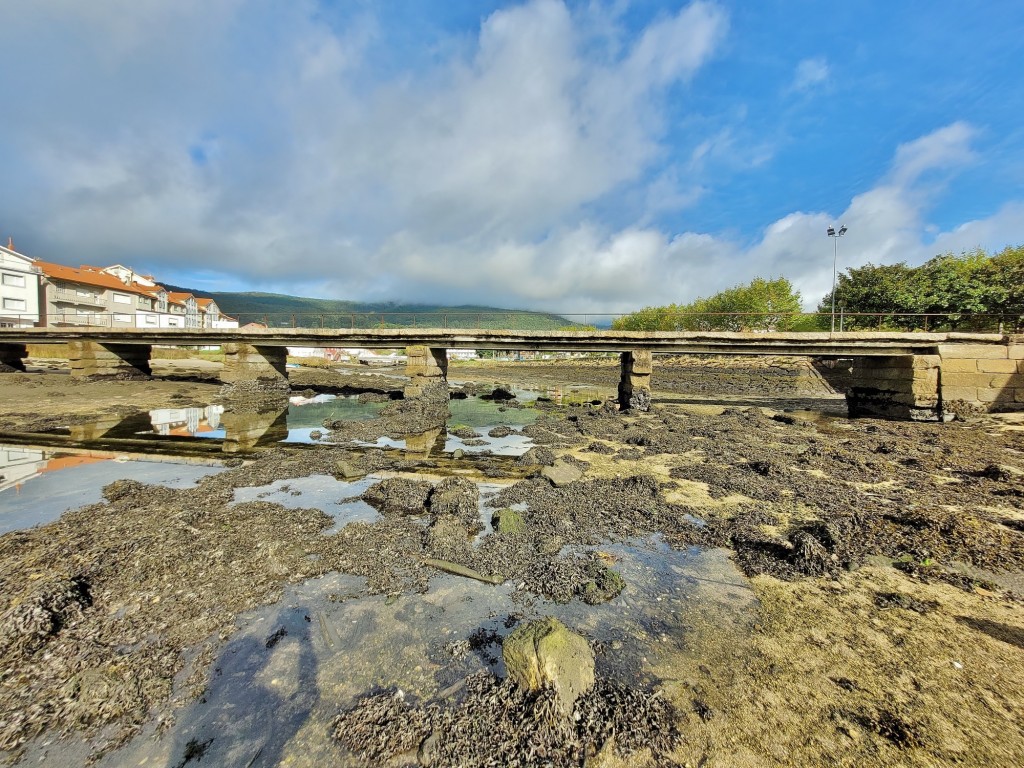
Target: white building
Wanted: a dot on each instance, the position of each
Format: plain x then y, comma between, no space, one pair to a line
19,288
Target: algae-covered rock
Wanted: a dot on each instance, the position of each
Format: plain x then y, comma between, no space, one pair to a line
606,585
545,653
508,521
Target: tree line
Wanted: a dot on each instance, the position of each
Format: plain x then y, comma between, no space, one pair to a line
969,291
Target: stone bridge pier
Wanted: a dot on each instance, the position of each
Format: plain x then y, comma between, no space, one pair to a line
635,380
92,358
425,366
256,368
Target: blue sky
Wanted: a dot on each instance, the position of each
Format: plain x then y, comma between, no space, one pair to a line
572,156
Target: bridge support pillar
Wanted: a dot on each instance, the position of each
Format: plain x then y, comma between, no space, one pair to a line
91,358
904,387
253,368
425,366
12,357
635,380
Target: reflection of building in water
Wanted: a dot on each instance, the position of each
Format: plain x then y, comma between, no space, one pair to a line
186,421
19,465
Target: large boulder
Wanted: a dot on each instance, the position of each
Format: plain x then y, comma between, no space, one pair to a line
545,653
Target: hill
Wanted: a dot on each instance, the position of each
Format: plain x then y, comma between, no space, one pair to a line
278,310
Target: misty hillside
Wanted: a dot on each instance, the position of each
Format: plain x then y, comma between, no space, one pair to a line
281,310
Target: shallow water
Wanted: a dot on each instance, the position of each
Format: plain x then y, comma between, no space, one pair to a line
39,486
279,682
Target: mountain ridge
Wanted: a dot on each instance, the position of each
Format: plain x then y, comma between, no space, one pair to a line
278,309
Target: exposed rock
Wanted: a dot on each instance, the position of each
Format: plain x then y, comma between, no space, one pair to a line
500,431
606,585
561,473
538,455
500,393
466,433
448,539
508,521
398,496
456,496
544,653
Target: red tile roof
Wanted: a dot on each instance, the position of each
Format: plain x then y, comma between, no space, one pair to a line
86,276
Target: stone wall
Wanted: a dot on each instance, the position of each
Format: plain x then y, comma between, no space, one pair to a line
983,377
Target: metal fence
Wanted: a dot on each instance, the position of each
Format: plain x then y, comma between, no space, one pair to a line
666,321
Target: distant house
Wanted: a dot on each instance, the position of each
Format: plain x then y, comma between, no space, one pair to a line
89,296
115,297
211,316
19,288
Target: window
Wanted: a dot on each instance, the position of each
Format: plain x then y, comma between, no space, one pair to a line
18,281
83,292
122,298
122,318
15,304
150,319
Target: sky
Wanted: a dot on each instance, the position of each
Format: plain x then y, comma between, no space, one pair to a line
591,156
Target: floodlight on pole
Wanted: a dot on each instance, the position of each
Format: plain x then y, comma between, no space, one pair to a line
835,256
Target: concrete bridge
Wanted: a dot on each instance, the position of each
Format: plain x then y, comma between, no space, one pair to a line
899,375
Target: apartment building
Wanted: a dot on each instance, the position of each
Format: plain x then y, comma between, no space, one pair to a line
91,296
19,288
119,297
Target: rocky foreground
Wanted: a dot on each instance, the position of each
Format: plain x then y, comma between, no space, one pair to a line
886,557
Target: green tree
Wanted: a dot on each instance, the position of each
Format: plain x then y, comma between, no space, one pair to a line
761,304
887,290
1005,274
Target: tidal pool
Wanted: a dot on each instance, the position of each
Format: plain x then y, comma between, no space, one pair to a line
37,486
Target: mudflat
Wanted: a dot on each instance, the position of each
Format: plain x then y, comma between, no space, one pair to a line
885,562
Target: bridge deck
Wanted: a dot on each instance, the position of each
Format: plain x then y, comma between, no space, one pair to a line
693,342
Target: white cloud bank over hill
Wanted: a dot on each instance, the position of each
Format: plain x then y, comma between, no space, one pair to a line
253,139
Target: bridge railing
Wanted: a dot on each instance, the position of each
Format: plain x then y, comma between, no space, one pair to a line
521,321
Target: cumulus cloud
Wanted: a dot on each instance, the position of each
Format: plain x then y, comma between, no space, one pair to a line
258,143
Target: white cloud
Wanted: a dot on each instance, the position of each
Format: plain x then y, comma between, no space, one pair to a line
810,73
250,137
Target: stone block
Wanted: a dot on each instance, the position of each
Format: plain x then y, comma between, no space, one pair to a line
997,366
969,365
994,395
639,361
969,394
1018,395
973,351
966,379
1015,352
1004,380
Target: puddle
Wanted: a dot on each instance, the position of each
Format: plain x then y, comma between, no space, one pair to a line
281,679
38,486
333,496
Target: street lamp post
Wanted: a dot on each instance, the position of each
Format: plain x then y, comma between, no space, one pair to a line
835,256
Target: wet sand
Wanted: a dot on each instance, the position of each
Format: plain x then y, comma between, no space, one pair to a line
884,626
